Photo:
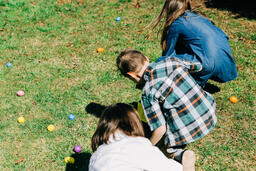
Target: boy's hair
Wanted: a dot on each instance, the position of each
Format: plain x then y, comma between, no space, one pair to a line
121,117
130,61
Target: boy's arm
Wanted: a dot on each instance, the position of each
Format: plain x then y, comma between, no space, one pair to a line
158,134
154,116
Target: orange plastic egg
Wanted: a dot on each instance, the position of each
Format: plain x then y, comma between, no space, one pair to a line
233,99
99,50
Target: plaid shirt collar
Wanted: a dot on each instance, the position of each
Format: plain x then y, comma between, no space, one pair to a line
148,71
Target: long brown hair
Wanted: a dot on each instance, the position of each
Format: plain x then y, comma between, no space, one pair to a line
121,117
171,10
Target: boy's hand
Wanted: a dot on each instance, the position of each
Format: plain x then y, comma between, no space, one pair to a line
193,67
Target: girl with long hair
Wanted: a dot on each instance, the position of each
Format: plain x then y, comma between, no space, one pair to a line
190,36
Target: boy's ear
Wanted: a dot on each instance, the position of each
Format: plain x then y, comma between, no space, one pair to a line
147,59
132,74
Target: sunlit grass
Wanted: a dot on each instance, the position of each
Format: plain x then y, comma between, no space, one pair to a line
52,46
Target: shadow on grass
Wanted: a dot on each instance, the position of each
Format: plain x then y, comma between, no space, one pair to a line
210,88
245,8
81,162
95,109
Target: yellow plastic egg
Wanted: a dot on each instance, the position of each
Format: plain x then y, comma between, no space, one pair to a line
21,119
51,128
69,160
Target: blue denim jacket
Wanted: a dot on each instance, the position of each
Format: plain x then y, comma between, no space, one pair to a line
194,38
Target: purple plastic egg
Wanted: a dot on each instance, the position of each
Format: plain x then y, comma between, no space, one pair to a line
77,149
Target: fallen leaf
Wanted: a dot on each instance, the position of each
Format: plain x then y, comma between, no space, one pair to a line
239,67
137,5
18,161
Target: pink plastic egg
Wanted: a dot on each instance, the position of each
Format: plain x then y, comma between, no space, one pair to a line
20,93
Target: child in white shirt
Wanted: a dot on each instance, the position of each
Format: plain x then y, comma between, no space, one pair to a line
119,144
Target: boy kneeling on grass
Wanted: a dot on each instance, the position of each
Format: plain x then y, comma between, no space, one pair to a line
177,109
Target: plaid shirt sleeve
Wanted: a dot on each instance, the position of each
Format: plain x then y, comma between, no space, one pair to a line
152,111
192,67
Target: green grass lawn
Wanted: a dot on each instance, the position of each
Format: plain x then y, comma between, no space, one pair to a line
52,47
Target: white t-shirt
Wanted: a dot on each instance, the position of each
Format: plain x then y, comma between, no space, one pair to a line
126,153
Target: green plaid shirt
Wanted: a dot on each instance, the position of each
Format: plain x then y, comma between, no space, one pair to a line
172,97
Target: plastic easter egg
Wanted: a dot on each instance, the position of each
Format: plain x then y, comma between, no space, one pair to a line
77,149
233,99
20,93
51,128
69,160
99,50
71,117
21,119
9,65
118,18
